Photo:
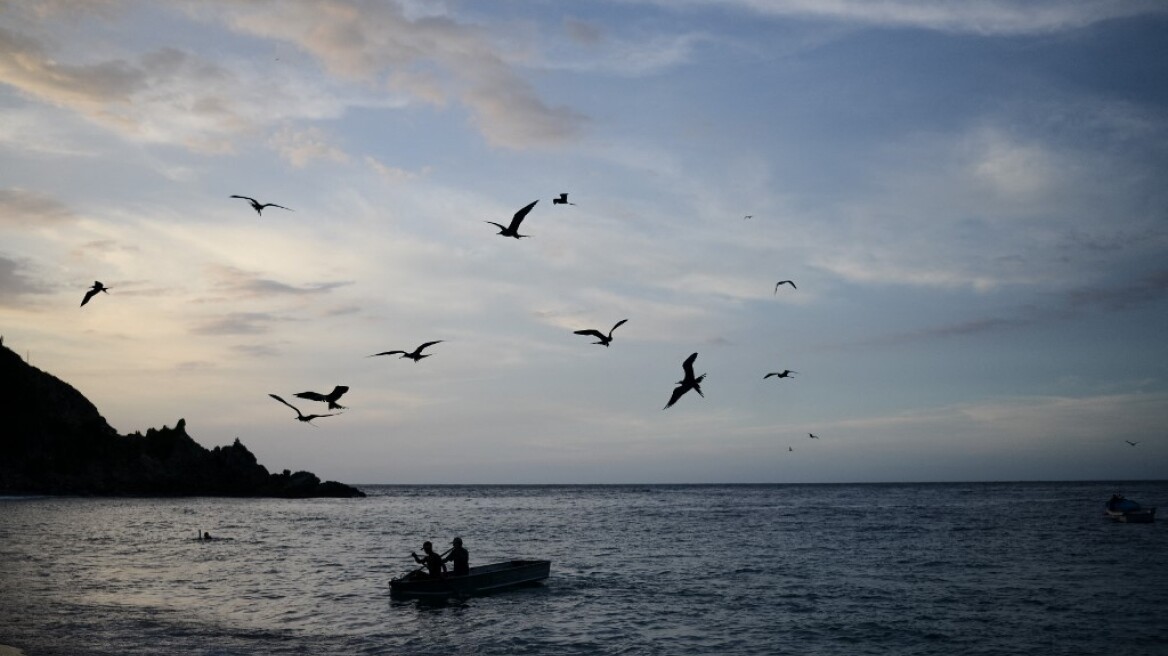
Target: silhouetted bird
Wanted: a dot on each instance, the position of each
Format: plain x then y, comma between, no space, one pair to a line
748,216
688,383
813,436
330,398
790,448
784,282
1131,443
786,373
512,230
415,355
562,199
605,340
97,287
299,415
259,207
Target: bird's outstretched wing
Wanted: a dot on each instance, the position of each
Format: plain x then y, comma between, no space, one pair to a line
773,373
687,366
88,295
617,325
309,418
298,413
312,396
337,392
419,349
590,332
279,206
677,392
520,215
387,353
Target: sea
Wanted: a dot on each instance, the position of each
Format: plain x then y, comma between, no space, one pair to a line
851,569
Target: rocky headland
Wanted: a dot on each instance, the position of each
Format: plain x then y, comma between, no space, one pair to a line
54,441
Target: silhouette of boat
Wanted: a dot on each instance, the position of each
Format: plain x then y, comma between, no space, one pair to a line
481,579
1126,510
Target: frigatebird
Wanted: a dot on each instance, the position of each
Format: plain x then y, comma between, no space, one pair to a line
813,436
786,373
415,355
97,287
690,382
299,415
562,199
1131,443
605,340
512,230
330,398
259,207
784,282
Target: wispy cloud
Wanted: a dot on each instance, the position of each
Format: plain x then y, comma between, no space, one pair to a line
15,283
987,17
433,58
239,323
23,209
239,283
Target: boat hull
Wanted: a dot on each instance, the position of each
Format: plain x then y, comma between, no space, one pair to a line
1141,516
481,579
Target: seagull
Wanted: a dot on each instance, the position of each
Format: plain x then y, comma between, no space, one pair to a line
259,207
512,230
97,287
813,436
299,415
786,373
688,383
1131,443
605,340
330,398
784,282
562,200
415,356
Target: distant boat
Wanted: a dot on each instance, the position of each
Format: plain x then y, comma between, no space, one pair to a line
481,579
1126,510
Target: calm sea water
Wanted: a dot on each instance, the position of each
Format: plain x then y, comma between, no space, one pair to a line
999,568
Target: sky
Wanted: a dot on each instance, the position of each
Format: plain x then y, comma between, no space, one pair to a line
969,197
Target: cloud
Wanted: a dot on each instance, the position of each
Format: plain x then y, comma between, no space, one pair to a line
986,17
303,146
23,209
240,283
431,57
393,173
238,323
14,283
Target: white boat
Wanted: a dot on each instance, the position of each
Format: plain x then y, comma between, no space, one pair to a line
484,578
1126,510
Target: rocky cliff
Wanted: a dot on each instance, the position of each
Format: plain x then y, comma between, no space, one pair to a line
54,441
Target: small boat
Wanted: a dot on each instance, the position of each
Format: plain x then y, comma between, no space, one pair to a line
481,579
1126,510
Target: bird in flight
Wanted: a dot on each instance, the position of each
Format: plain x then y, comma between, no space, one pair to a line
790,448
784,282
299,415
330,398
813,436
512,230
562,199
415,355
259,207
748,216
786,373
605,340
97,287
690,382
1131,443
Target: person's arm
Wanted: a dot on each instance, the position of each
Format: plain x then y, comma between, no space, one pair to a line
416,559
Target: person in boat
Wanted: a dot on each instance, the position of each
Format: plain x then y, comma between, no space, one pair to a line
206,535
433,562
460,557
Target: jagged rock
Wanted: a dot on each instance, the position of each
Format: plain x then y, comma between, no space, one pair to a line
56,442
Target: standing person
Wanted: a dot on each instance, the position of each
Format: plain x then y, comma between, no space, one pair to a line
433,562
460,557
